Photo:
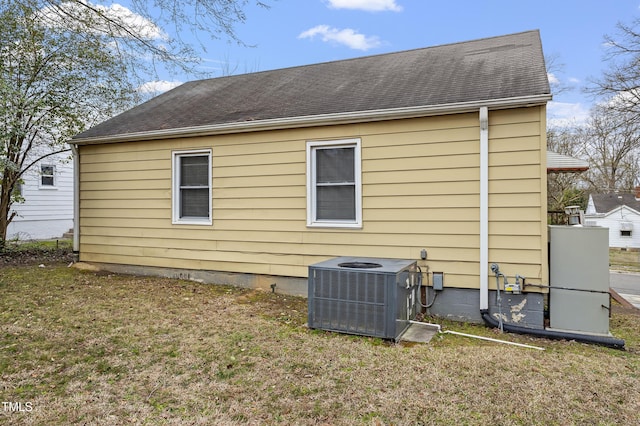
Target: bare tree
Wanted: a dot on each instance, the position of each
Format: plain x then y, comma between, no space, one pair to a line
610,142
621,82
564,189
555,68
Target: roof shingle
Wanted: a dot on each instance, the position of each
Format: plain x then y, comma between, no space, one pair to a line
502,67
604,203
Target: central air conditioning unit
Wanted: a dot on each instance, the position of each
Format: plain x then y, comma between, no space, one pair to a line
363,296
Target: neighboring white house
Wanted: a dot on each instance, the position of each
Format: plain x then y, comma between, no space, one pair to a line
620,212
47,210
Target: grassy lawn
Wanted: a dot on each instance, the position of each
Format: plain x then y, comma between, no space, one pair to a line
624,260
82,347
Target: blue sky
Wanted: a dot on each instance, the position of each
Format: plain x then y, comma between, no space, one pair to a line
300,32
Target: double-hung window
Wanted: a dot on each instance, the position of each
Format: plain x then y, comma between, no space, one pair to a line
47,176
333,184
192,187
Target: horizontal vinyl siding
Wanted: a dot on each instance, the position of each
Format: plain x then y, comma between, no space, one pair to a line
613,221
517,193
419,183
420,190
44,203
46,212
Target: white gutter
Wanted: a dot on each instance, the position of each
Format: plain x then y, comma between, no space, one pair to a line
317,120
76,199
484,208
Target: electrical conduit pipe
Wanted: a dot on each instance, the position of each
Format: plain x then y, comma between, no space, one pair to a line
484,259
608,341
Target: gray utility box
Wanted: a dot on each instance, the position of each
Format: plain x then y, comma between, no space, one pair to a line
364,296
579,260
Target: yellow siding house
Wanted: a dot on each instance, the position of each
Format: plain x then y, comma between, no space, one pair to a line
249,179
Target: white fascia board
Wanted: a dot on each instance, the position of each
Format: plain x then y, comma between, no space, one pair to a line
619,209
319,120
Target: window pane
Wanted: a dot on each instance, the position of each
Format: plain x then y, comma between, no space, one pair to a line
194,202
194,170
336,202
335,165
46,175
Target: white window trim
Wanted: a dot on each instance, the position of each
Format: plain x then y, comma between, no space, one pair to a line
312,221
175,189
55,177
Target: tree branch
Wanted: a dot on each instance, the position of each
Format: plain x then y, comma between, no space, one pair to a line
24,170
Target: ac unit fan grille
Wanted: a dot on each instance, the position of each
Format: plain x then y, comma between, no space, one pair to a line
350,301
364,301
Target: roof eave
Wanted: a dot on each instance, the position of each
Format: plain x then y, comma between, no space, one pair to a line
613,211
567,169
318,120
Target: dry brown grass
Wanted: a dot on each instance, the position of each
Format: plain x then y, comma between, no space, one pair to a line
99,349
624,260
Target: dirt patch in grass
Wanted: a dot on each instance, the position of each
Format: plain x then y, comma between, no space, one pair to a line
87,348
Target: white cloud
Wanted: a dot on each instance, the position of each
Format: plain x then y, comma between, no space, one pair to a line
157,87
78,13
368,5
564,114
142,26
554,80
628,99
347,37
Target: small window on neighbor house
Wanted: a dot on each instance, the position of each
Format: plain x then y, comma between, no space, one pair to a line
47,176
17,190
626,229
192,187
333,184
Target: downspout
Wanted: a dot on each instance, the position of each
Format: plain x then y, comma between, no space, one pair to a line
76,202
484,209
608,341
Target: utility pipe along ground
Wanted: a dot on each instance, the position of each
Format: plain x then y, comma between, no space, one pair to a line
608,341
473,336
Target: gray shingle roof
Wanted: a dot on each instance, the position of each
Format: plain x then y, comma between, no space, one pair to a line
504,67
559,163
604,203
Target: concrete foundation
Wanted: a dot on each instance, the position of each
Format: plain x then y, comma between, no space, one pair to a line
460,304
287,285
26,230
457,304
